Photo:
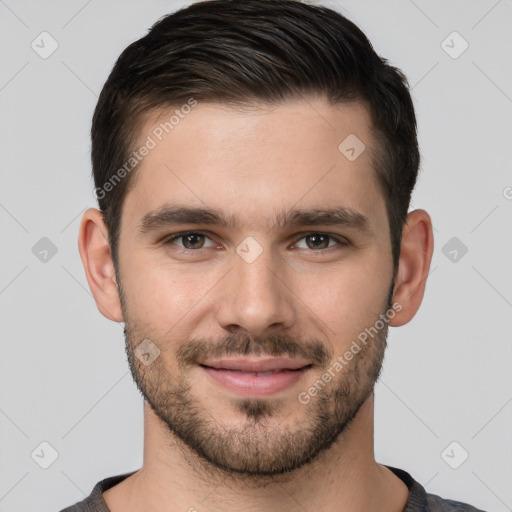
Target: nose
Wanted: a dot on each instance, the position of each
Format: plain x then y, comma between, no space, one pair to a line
257,296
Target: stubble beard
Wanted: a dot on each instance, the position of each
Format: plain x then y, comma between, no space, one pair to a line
263,444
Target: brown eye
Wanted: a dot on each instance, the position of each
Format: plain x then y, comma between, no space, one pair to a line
320,241
190,240
193,241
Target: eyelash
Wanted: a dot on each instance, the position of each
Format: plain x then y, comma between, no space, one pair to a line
340,240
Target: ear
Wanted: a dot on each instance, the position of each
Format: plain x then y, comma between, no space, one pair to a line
415,256
97,260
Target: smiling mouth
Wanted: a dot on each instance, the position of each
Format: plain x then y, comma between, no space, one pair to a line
256,377
258,374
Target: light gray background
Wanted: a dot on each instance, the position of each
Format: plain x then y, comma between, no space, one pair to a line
64,376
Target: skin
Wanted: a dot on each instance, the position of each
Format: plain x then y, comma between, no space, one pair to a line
252,163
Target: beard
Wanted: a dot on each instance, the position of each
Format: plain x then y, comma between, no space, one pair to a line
263,444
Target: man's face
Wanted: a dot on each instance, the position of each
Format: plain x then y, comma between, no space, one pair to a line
249,315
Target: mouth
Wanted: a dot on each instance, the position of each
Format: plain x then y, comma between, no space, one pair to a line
256,376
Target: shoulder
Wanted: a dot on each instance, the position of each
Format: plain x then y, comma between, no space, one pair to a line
95,502
437,504
421,501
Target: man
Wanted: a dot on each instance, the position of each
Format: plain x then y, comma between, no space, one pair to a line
254,163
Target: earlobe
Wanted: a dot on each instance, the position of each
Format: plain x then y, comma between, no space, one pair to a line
416,254
96,257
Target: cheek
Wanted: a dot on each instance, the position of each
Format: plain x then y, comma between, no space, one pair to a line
350,298
159,294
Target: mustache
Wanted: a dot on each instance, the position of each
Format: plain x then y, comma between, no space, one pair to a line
196,351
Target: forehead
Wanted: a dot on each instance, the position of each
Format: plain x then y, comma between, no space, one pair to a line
256,159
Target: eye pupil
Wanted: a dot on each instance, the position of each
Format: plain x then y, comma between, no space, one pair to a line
318,237
188,238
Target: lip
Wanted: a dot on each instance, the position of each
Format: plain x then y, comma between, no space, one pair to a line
249,377
253,364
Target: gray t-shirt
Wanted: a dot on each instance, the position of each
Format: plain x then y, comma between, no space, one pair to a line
418,501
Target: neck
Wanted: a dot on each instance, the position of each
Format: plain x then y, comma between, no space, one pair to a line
173,478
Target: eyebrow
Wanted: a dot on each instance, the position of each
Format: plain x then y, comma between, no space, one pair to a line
174,214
